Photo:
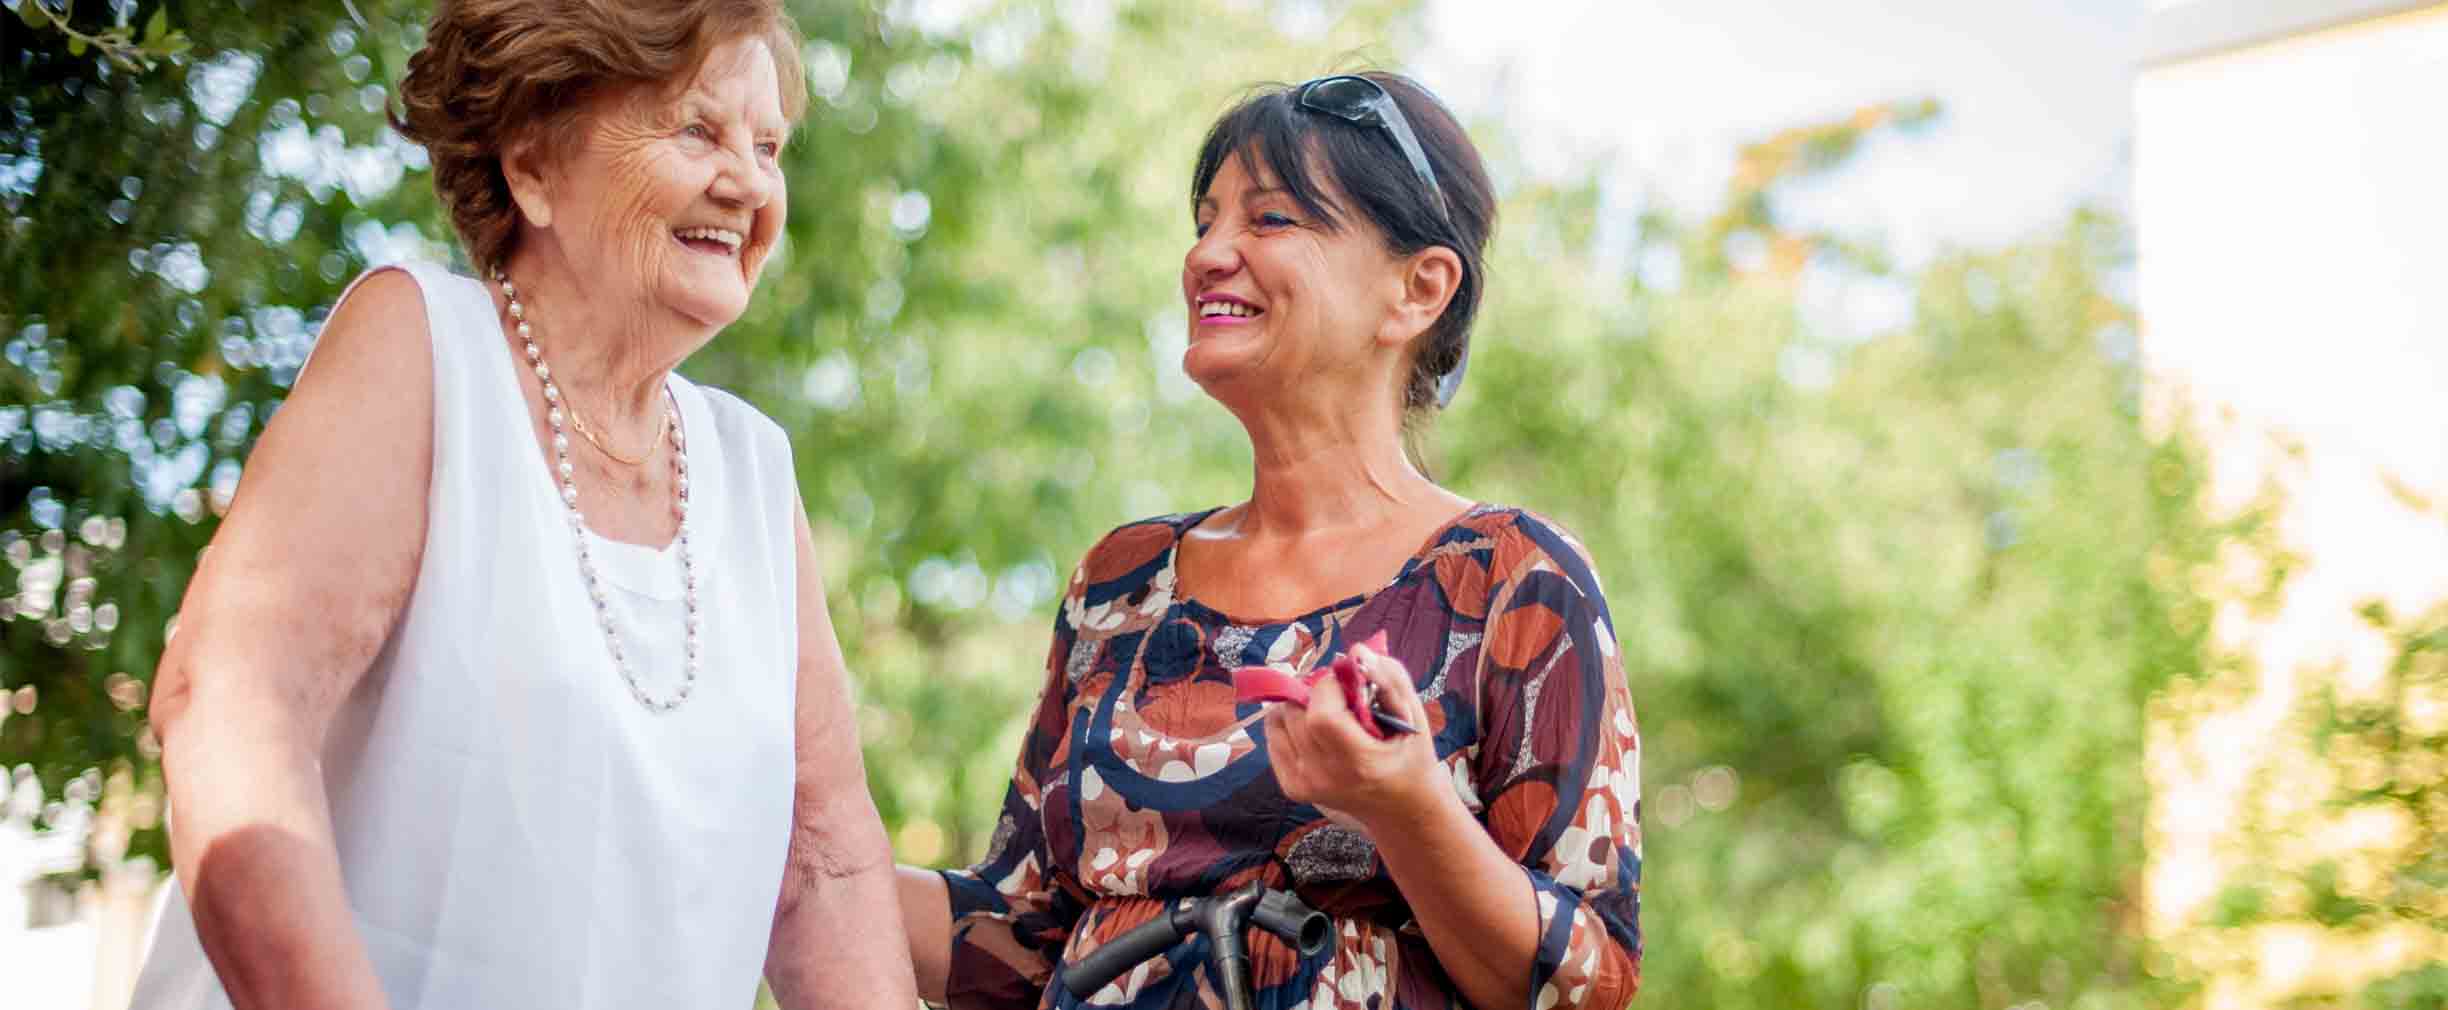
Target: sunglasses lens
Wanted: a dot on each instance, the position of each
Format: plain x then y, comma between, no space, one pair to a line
1352,98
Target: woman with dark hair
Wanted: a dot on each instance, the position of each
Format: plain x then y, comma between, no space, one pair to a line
509,680
1490,859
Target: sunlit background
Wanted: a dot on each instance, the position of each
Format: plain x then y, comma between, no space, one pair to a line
2012,434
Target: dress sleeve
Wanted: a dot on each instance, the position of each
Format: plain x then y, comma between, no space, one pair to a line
1559,767
1013,911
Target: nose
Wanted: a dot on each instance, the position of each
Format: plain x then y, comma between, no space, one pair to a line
743,183
1213,256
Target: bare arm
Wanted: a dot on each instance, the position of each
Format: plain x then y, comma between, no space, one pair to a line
304,581
926,912
1479,913
837,928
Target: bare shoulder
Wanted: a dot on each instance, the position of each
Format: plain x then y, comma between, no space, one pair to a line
363,405
353,442
381,323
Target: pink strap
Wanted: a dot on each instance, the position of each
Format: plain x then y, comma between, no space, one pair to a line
1266,683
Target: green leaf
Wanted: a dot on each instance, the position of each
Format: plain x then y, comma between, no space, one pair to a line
157,24
76,45
176,44
30,14
2238,906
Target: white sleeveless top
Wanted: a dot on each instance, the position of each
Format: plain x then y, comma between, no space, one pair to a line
514,829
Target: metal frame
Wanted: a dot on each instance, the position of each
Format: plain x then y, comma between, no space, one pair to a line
2209,27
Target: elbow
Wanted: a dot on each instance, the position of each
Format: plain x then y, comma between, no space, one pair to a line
201,718
1606,994
171,699
838,838
845,839
1619,981
1604,979
837,824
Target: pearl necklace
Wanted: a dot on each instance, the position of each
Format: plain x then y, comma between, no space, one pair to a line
555,414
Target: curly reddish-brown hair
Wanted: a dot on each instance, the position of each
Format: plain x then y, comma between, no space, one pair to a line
494,73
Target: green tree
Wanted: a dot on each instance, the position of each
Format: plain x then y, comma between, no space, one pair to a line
121,41
172,238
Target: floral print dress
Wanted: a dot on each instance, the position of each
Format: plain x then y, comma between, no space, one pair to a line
1142,782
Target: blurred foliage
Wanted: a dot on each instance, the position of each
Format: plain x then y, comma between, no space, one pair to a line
2390,747
169,240
2330,859
2368,867
2424,988
1896,565
121,40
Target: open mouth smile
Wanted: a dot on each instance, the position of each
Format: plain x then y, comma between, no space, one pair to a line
711,241
1226,310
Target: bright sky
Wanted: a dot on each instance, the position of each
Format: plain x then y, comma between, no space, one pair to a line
2038,97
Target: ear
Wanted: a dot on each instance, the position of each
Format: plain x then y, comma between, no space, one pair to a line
527,169
1430,277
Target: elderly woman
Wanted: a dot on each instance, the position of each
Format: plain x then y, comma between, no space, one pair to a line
1491,859
508,682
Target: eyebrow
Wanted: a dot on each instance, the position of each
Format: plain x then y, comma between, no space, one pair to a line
700,103
1251,194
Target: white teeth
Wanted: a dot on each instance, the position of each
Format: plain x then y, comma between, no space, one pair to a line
730,239
1208,309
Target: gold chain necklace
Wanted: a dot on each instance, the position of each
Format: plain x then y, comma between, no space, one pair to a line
587,431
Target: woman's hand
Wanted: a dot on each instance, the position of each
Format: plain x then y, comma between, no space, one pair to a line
1322,757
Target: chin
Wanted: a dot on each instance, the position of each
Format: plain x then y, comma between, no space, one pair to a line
1215,367
714,304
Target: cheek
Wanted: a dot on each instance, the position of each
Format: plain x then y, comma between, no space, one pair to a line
653,184
632,212
1355,280
1300,277
666,186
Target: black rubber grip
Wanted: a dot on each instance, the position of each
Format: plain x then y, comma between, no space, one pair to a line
1088,974
1306,929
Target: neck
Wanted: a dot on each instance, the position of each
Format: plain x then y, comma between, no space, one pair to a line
610,363
1322,468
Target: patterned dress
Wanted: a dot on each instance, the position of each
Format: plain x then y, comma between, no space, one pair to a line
1142,781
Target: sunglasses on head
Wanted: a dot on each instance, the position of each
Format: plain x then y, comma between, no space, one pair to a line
1364,102
1359,100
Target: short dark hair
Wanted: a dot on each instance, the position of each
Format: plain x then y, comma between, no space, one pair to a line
1306,150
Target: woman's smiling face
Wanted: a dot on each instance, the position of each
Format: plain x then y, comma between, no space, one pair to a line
1279,299
674,195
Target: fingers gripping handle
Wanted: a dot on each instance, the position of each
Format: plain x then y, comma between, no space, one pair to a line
1265,683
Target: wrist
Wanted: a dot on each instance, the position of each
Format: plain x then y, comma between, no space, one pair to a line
1412,807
